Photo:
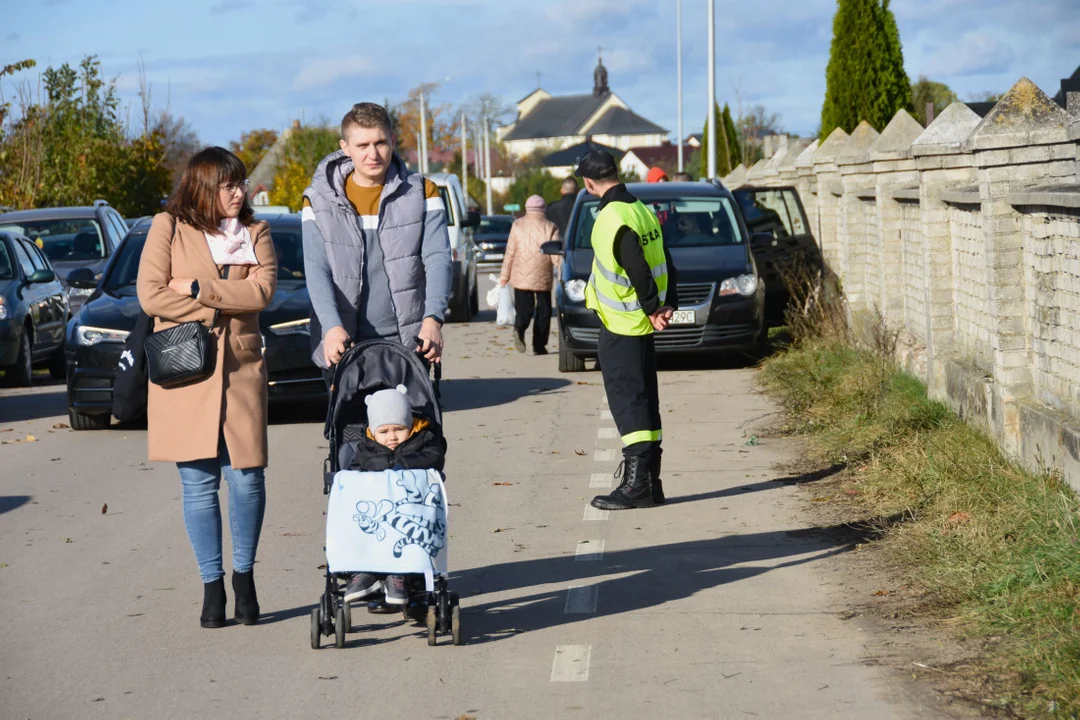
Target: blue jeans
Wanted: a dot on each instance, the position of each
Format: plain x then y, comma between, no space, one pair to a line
202,512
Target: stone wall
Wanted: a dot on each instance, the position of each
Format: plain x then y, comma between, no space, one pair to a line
965,237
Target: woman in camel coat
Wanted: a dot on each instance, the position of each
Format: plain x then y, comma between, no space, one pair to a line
207,260
531,273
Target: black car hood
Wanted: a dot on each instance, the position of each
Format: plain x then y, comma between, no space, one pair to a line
693,264
118,311
64,267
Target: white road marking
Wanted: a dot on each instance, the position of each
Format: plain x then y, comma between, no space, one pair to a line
600,480
571,663
605,455
607,433
592,513
581,599
605,414
603,400
589,551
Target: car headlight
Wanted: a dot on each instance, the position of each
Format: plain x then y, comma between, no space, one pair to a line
295,327
741,285
3,309
87,335
575,290
79,294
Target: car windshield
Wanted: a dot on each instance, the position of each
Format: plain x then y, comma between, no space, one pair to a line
495,225
72,240
685,221
125,269
289,247
7,265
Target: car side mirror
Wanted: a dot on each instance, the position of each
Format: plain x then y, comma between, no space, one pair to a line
41,276
762,240
552,247
82,278
472,219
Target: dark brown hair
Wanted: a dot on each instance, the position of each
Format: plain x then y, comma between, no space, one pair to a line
195,200
367,115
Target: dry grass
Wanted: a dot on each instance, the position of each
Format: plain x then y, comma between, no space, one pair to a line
989,545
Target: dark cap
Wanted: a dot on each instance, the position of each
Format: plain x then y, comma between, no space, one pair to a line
596,165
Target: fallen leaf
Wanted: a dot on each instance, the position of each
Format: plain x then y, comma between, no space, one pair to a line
821,499
465,717
8,430
328,677
502,484
852,492
30,438
753,440
499,530
321,567
4,565
959,517
105,508
579,452
61,426
881,593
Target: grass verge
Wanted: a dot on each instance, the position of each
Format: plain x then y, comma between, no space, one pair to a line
990,547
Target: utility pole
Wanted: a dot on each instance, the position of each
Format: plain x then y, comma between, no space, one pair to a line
487,163
422,149
419,156
712,89
464,161
678,65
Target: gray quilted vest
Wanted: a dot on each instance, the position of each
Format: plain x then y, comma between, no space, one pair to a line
401,232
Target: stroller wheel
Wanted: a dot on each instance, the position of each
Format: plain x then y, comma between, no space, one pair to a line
339,628
316,628
348,616
444,612
431,622
455,623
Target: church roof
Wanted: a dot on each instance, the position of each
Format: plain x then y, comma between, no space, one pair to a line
620,121
556,117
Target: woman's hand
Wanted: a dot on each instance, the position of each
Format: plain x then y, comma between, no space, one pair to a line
181,286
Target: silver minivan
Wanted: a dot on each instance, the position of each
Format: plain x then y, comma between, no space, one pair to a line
461,225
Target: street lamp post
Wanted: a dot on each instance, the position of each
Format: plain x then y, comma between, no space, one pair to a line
487,163
712,90
678,65
464,161
423,161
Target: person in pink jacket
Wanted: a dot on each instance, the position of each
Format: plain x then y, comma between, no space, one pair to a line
531,274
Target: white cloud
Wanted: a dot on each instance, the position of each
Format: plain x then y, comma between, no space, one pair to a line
975,52
320,73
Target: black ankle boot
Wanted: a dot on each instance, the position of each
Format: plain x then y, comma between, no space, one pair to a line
657,488
247,603
635,490
213,604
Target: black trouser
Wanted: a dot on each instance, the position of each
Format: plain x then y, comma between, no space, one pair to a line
628,365
527,304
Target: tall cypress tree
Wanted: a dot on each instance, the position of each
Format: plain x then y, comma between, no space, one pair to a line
865,78
725,161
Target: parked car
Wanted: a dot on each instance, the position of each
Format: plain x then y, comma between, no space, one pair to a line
491,237
33,310
265,211
786,250
72,238
134,222
96,334
721,299
464,295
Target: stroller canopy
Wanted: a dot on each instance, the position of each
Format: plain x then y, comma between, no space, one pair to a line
375,365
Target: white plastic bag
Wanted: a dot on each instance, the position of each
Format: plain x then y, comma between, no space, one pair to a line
505,314
493,293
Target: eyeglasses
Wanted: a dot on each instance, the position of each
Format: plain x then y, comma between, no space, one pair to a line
231,188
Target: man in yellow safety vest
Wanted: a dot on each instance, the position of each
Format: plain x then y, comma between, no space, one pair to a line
632,290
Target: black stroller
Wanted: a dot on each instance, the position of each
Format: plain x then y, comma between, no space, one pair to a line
366,368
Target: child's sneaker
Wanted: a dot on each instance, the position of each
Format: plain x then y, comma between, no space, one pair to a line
361,586
395,590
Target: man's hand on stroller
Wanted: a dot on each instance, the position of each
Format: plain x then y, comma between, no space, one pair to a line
334,345
431,340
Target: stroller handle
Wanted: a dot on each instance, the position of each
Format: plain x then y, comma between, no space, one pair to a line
427,363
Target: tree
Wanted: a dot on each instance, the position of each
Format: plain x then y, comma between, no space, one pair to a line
985,96
753,126
728,155
926,91
253,146
305,147
865,78
534,182
442,130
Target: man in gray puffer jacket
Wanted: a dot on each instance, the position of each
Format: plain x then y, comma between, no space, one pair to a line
376,249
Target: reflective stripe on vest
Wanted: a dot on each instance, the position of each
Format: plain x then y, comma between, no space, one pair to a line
610,292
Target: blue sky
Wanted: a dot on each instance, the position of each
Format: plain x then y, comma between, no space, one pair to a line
231,65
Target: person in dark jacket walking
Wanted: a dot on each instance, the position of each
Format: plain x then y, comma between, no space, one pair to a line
559,211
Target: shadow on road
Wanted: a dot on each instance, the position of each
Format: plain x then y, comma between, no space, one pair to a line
468,394
659,575
21,404
11,502
759,486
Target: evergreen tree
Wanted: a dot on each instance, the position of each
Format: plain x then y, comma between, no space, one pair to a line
727,158
865,78
927,91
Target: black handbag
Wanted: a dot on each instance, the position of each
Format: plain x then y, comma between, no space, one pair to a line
180,355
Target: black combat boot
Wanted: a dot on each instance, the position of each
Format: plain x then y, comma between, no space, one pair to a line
635,490
247,603
213,604
657,488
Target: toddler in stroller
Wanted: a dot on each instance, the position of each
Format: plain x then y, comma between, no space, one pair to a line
394,440
387,515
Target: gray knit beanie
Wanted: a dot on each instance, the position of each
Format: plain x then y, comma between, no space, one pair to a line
389,407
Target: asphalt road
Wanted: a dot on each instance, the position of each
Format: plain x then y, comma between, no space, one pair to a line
713,606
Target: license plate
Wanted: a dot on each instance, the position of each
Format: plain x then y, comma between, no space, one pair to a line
684,317
493,256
